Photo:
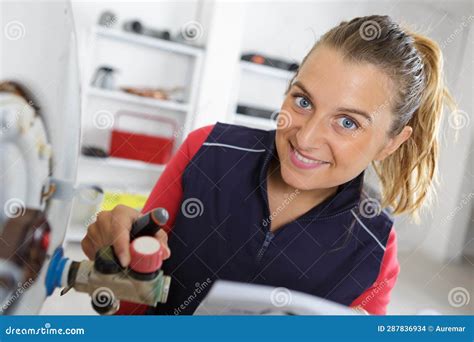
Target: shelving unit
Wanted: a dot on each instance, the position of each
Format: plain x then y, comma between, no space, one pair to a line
266,70
176,48
183,110
128,175
279,75
138,100
152,42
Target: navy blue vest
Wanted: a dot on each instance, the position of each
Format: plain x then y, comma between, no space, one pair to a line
222,231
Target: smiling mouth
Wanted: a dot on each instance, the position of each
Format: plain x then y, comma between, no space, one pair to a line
304,159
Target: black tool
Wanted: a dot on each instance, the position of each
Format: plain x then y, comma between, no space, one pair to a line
149,224
136,26
254,111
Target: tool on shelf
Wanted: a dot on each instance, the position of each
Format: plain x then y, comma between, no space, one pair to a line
255,112
171,94
135,26
270,61
104,77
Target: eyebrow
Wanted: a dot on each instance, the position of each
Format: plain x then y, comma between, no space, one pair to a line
302,87
356,111
341,109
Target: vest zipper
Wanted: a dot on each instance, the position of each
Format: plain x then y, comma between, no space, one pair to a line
268,238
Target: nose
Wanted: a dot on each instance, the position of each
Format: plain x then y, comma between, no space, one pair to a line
312,133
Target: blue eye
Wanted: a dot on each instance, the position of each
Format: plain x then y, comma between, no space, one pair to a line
348,123
302,102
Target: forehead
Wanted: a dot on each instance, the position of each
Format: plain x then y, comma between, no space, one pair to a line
337,82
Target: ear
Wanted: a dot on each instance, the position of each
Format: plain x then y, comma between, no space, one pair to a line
394,143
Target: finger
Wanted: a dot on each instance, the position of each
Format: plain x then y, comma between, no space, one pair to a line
121,223
92,241
88,247
100,229
163,238
94,233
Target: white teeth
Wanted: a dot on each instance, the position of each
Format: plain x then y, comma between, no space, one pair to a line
306,160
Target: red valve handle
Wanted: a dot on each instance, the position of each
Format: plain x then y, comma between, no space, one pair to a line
146,254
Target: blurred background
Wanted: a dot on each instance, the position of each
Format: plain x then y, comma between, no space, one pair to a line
153,71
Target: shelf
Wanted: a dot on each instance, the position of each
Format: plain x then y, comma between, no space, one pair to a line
122,163
139,100
156,43
267,70
252,121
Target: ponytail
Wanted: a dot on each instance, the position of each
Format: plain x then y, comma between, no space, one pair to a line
408,174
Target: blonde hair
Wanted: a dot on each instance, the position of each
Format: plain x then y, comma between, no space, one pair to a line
415,64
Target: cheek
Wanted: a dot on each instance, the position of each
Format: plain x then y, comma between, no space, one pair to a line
280,143
355,153
286,124
288,115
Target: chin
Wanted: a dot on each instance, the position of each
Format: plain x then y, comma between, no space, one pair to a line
296,180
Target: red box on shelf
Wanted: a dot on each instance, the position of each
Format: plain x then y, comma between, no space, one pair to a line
153,149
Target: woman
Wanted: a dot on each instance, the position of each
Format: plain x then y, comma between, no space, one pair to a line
288,208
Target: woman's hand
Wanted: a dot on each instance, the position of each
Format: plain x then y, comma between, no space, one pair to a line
113,228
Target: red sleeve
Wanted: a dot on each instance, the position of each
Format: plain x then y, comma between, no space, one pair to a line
168,192
376,298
